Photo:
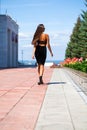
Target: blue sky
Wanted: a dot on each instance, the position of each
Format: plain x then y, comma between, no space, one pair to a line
58,16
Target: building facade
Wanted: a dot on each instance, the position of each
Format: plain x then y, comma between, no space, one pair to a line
8,42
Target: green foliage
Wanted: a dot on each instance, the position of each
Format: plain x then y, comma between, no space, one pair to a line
72,47
77,46
78,66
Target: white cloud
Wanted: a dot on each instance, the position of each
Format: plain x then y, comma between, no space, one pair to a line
27,46
59,38
56,38
25,36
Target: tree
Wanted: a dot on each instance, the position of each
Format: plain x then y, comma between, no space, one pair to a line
83,34
77,46
72,47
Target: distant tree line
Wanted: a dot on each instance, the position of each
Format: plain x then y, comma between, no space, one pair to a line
77,46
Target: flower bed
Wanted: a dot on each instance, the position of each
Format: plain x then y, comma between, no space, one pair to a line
75,63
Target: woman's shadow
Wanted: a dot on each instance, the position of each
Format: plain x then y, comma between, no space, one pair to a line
56,83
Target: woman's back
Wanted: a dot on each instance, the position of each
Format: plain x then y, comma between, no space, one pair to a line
43,37
42,40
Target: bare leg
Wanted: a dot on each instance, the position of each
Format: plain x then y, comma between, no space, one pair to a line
40,72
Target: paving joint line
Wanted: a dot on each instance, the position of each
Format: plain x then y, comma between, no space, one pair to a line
17,103
68,106
10,90
77,87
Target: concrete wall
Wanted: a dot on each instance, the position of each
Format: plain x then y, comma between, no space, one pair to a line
8,42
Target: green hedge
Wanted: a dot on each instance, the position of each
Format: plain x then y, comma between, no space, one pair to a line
78,66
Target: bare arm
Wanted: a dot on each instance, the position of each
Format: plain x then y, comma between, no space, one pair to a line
34,41
48,45
33,53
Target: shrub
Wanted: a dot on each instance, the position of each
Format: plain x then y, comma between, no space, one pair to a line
81,66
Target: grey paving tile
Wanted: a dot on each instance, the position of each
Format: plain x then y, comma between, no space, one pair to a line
58,126
63,107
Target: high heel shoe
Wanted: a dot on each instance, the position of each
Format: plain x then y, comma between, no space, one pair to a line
40,80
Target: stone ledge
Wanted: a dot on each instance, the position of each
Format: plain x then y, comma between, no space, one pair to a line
79,73
80,78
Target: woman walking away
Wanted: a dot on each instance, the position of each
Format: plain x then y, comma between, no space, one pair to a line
41,43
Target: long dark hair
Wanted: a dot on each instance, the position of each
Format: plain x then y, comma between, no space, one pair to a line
40,29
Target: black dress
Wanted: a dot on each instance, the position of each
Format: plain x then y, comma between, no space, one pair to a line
41,52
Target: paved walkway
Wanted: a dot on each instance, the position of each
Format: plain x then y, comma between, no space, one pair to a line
63,107
21,98
24,105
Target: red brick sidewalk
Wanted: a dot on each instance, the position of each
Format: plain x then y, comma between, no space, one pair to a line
21,98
